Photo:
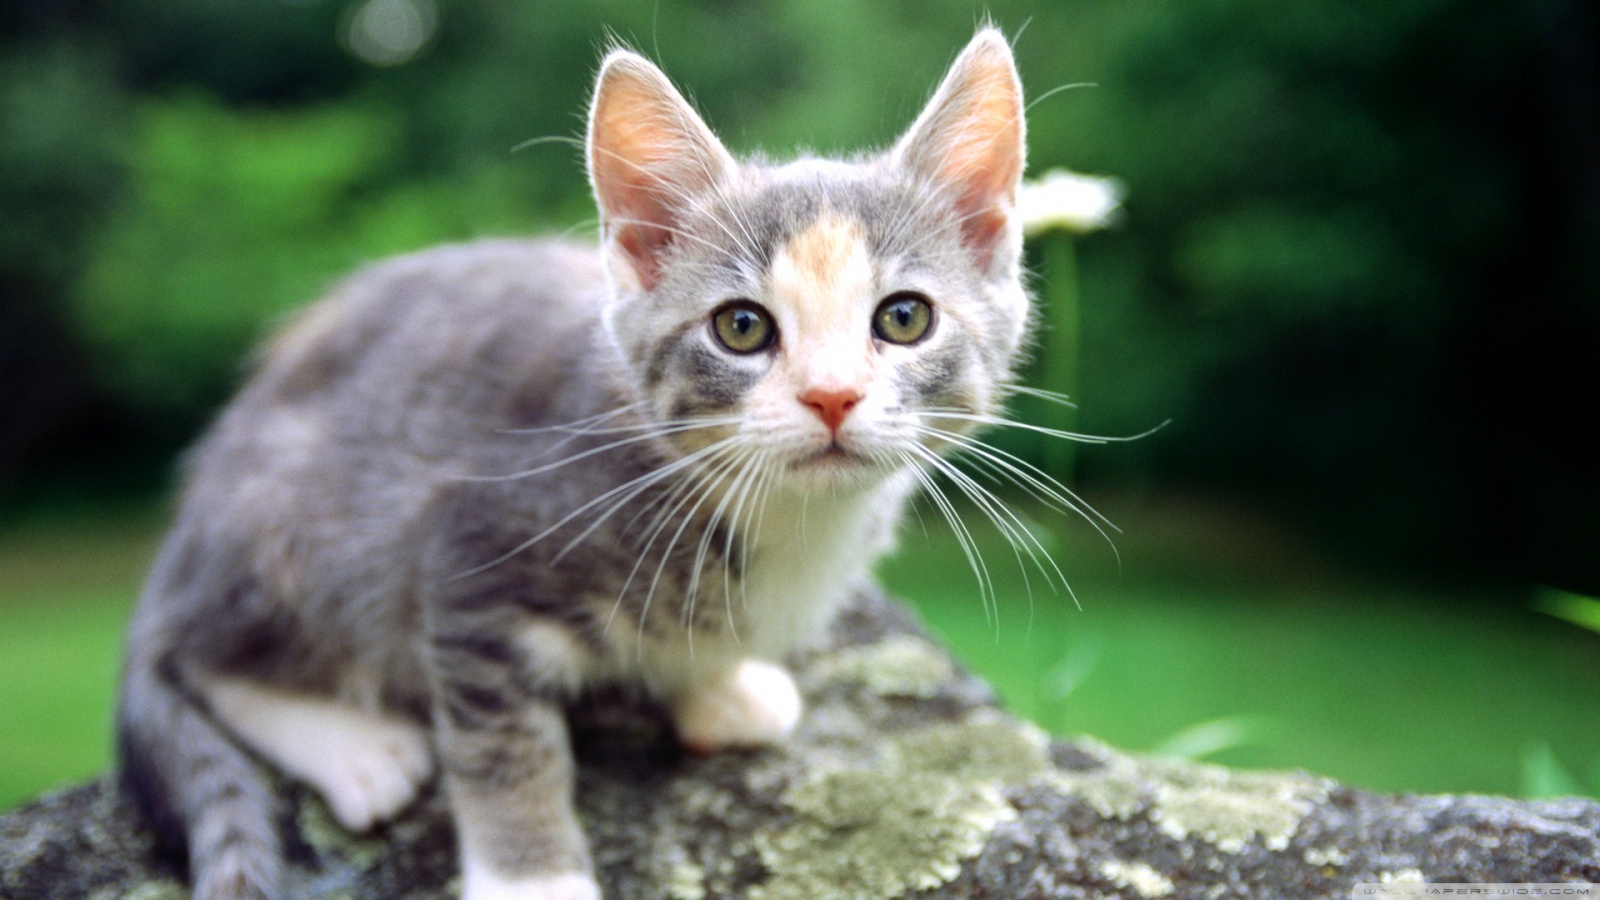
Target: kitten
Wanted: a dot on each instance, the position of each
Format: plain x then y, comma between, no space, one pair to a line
479,479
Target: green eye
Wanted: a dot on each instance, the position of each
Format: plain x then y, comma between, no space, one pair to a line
903,318
743,327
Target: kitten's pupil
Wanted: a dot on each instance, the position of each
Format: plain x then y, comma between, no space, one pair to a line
743,327
903,318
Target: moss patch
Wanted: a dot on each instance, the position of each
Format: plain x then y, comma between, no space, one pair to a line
1144,880
929,801
1229,808
685,881
328,837
898,666
1226,808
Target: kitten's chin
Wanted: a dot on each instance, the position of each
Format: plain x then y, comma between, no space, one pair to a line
835,468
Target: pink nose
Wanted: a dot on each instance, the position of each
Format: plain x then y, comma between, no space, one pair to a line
831,404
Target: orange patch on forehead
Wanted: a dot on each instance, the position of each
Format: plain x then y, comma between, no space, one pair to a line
826,246
822,273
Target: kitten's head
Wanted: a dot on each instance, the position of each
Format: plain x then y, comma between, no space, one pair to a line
820,314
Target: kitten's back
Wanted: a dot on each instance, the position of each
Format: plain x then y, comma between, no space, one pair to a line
464,331
308,493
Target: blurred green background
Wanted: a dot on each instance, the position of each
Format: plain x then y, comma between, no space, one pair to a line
1358,269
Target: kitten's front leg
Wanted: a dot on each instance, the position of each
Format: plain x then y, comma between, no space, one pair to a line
507,760
750,704
509,773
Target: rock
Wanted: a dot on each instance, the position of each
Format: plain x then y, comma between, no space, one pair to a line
904,779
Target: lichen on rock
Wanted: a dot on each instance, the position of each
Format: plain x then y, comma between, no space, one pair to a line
328,837
875,834
901,665
906,822
1226,808
1138,876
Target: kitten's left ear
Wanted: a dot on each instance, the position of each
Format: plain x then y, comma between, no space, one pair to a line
970,142
650,155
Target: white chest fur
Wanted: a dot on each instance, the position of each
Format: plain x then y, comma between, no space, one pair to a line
809,550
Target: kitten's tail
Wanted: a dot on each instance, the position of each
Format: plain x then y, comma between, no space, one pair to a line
197,787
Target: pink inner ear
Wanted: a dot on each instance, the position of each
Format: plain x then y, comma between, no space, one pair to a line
970,139
648,153
644,245
985,217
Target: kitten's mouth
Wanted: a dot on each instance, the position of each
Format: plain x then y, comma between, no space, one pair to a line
832,457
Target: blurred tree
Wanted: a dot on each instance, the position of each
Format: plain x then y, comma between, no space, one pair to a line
60,118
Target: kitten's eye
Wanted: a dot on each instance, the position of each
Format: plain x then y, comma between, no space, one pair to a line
903,318
743,327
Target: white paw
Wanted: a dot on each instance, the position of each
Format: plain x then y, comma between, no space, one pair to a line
366,765
756,703
369,773
480,884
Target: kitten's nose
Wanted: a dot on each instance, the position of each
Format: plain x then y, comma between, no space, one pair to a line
831,404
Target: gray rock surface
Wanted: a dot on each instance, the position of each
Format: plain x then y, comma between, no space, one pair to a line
904,780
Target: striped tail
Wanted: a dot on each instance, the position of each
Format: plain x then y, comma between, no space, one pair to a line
198,788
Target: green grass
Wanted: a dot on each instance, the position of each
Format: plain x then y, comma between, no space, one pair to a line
1220,638
1278,663
65,592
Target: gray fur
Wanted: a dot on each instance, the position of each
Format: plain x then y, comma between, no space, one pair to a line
459,491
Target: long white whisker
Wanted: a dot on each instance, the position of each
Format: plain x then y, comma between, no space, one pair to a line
1002,422
1016,531
683,488
578,426
1040,484
706,487
1055,397
649,477
753,534
681,233
719,516
635,487
969,547
695,425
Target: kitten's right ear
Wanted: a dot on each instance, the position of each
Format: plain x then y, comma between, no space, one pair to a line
649,154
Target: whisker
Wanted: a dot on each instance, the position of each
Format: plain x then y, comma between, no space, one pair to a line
1035,481
969,547
637,486
750,494
1055,397
672,501
1016,532
647,478
648,435
685,234
704,489
577,426
753,538
549,139
736,489
1003,422
1056,90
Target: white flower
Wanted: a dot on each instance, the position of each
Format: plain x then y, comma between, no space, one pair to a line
1068,200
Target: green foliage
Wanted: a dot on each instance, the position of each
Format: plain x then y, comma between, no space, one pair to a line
235,218
59,123
1583,612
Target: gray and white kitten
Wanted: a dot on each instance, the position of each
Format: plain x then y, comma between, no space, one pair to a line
479,479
